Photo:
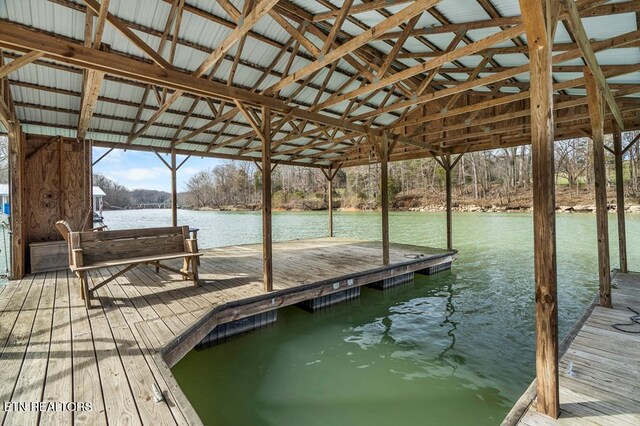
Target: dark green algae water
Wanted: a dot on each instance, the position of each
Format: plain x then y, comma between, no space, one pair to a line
456,348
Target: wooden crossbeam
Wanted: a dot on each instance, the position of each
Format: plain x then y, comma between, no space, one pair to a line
21,39
365,7
504,99
427,66
588,11
614,42
345,9
125,31
18,63
92,81
247,23
575,23
396,19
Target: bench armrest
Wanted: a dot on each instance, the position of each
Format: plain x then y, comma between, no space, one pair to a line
76,257
192,245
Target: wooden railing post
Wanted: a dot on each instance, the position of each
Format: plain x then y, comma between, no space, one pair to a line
596,115
622,234
540,37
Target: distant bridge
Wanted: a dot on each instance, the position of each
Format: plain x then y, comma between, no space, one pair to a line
150,206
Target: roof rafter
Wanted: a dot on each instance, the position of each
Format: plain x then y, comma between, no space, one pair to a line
408,12
575,23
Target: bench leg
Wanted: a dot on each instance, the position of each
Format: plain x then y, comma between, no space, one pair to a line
157,267
80,276
185,267
194,275
84,289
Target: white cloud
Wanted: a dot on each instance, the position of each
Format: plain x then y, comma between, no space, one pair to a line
139,174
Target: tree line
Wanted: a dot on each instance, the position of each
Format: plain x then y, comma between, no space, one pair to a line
495,177
120,197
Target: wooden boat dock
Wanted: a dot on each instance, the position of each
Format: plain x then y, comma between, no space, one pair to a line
54,349
599,367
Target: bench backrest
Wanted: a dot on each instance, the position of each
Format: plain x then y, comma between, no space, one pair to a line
129,243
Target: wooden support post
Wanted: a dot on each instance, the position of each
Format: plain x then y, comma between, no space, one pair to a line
17,179
596,115
622,234
174,189
539,29
330,201
267,260
447,170
384,187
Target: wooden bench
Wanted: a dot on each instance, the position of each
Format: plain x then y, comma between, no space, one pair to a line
94,250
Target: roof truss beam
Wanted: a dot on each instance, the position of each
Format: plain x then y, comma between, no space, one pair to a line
360,40
575,23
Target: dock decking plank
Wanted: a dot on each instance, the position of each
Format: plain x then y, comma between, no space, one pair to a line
58,385
87,385
53,349
17,341
31,380
600,371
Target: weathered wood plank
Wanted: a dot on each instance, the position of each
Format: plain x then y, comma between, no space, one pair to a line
59,385
31,380
15,345
87,384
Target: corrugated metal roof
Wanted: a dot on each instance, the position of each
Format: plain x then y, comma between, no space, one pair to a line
57,91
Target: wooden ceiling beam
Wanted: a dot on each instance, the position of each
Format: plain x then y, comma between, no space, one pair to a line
503,100
365,7
92,80
600,10
261,9
575,24
125,31
444,58
19,62
207,50
22,39
356,42
614,42
345,10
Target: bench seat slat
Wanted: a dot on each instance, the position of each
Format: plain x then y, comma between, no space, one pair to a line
130,260
131,233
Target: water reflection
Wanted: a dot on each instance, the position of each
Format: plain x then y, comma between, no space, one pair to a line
419,333
449,313
425,350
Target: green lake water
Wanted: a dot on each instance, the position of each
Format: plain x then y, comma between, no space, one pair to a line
456,348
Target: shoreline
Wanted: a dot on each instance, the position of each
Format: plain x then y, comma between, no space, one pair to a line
470,208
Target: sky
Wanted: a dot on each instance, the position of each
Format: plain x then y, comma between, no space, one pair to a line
144,170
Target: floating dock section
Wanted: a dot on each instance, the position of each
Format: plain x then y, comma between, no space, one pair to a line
142,323
223,331
392,281
322,302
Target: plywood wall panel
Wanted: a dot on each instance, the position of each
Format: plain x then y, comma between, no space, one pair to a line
58,186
